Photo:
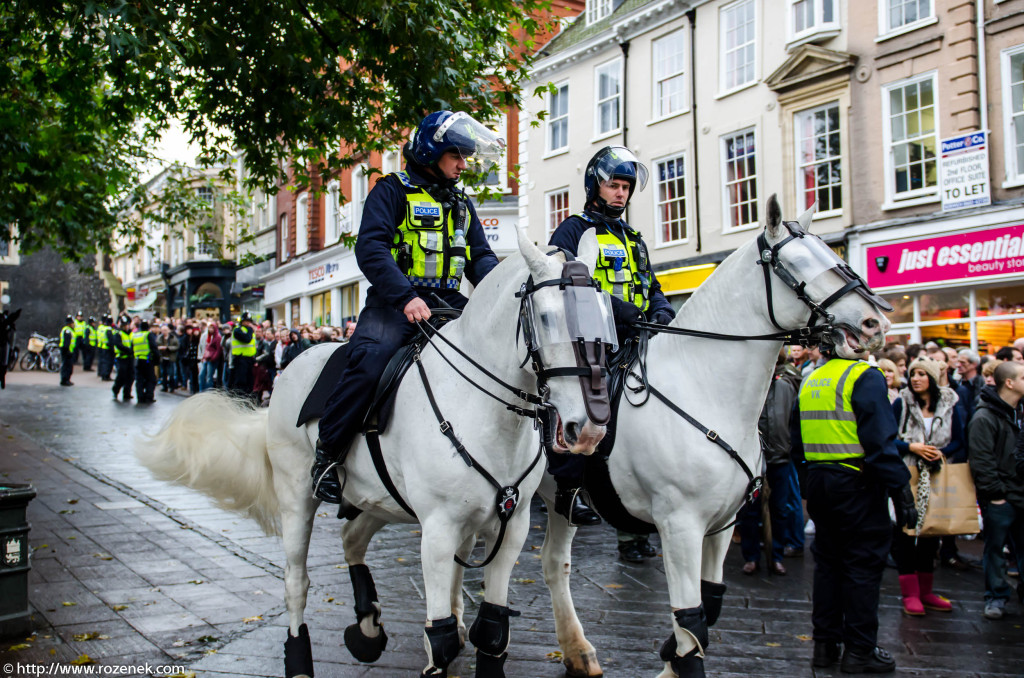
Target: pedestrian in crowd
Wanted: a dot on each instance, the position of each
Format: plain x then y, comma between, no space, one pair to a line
844,428
968,365
68,344
930,429
292,348
125,357
912,351
147,354
105,348
224,367
189,359
280,343
780,474
243,356
167,346
1010,353
212,355
999,482
350,328
898,356
181,330
988,374
893,382
264,372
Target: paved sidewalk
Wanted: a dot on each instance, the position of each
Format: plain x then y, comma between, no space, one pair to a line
154,573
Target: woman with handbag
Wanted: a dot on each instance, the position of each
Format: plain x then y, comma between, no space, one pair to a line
931,429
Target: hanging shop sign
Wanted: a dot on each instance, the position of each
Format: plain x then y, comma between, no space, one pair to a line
963,172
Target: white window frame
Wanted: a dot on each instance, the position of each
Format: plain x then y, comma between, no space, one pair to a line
656,95
1014,174
616,66
819,28
597,10
302,223
727,225
687,220
552,120
360,189
332,213
886,31
285,252
723,87
390,162
800,165
549,212
919,196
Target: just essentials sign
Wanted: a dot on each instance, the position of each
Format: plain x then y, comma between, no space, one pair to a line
975,254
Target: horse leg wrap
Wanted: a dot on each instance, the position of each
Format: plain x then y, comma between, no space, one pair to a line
489,666
490,635
441,639
365,648
693,621
298,656
690,666
711,595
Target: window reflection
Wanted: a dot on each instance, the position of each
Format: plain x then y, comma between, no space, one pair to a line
945,305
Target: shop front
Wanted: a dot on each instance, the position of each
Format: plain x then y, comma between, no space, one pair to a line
958,282
324,289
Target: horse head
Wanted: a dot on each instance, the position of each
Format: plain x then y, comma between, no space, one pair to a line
556,317
839,301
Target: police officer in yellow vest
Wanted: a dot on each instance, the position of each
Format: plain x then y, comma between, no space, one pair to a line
105,347
243,357
89,344
146,355
624,270
79,329
844,431
121,341
68,344
419,236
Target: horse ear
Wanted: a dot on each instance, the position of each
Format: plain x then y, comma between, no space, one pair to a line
535,259
587,249
805,219
774,216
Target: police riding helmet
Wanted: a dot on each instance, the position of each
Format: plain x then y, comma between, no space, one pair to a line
143,326
79,314
68,319
444,131
612,162
92,319
246,316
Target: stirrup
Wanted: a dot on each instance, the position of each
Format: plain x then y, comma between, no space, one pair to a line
326,486
573,493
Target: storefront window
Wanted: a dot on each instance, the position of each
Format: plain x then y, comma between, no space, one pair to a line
1000,301
945,305
957,335
994,334
903,308
322,309
349,302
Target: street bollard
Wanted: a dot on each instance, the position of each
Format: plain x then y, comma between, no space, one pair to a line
14,566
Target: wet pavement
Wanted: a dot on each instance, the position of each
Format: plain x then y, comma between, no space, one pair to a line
128,571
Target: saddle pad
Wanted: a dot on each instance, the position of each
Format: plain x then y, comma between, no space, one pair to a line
596,478
316,401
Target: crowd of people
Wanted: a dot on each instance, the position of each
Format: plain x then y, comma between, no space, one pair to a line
951,407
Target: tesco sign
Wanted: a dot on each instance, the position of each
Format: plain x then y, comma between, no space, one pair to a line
975,254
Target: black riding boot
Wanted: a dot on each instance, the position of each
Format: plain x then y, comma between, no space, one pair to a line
325,479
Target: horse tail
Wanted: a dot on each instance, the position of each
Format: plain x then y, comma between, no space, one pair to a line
217,444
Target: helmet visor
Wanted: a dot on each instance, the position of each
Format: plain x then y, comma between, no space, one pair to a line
479,145
620,163
588,316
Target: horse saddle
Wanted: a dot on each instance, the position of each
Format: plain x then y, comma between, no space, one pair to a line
596,477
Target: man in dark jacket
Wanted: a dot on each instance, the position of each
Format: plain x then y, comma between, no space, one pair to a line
121,341
991,441
419,234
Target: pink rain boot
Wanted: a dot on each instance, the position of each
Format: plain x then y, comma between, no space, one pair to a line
931,600
911,590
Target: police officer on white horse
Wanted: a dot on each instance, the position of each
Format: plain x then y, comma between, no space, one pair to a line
419,235
624,271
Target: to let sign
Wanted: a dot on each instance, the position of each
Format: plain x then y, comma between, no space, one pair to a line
963,171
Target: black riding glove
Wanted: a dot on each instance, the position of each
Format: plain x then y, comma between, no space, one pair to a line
906,510
661,317
625,314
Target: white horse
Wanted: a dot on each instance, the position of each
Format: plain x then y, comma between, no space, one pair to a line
669,473
257,462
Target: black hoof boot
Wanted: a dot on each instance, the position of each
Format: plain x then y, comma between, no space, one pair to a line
298,656
489,666
362,647
690,666
325,479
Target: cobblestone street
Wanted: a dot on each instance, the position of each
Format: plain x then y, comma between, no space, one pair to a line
153,573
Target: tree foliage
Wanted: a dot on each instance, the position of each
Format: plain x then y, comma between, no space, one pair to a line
87,87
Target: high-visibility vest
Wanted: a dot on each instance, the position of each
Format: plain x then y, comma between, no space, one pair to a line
125,349
90,335
423,244
68,339
80,326
623,268
245,350
103,337
140,344
828,425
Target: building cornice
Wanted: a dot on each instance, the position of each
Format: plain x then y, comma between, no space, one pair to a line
810,64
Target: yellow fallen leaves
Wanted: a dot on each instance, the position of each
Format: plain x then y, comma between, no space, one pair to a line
103,556
119,608
525,581
92,635
613,586
555,656
82,660
256,618
804,637
185,674
68,604
19,647
774,644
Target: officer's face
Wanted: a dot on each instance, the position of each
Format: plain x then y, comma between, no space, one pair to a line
451,165
615,192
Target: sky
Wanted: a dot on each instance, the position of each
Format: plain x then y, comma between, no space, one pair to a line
174,147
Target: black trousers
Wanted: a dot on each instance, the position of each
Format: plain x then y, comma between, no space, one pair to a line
105,362
125,377
241,376
87,355
852,539
67,365
145,380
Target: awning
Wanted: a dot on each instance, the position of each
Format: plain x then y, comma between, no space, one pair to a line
143,303
684,279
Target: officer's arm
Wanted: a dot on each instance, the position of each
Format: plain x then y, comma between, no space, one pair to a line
481,257
381,216
876,428
659,302
567,235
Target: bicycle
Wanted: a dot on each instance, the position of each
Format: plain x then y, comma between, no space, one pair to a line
43,354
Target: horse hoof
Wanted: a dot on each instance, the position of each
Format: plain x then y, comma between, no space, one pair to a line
362,647
690,666
489,666
298,656
585,665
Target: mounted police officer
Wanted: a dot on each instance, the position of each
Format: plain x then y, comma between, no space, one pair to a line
845,429
419,235
121,341
243,356
105,348
624,271
68,344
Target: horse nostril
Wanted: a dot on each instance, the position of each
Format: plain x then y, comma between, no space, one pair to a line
871,323
572,432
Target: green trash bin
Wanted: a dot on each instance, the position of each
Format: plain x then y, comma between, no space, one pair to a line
14,567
